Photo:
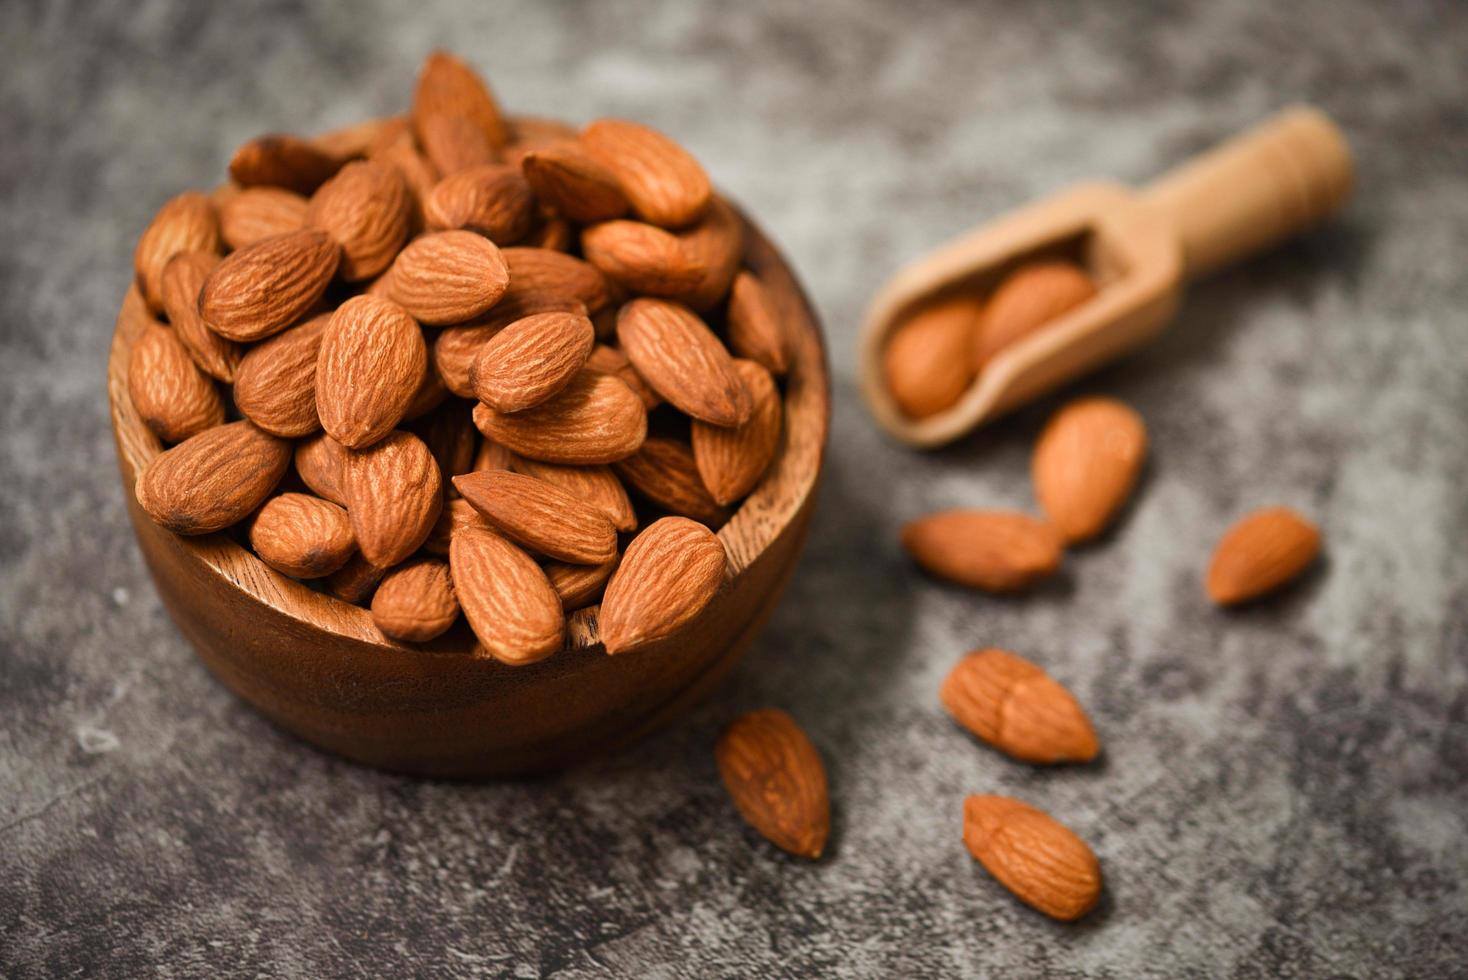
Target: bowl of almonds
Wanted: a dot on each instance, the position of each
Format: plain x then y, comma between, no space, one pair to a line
466,444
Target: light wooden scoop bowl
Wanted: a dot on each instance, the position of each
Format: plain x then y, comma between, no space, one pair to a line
319,668
1257,189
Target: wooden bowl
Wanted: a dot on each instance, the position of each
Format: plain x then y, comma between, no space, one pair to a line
320,668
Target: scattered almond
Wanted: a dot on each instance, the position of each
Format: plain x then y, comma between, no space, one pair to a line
997,551
1085,464
1018,708
546,272
1029,298
1036,857
669,574
777,780
1263,551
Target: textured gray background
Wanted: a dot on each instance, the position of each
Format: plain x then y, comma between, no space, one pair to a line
1284,789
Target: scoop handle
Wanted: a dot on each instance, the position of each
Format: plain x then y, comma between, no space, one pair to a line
1262,186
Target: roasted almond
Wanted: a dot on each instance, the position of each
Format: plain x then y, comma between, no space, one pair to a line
183,278
716,243
275,386
186,223
529,133
453,143
321,464
507,599
1263,551
282,160
777,781
665,472
394,493
214,479
447,86
731,460
258,213
596,485
264,288
371,362
492,456
1018,708
540,516
493,200
644,258
756,331
303,536
448,277
579,585
594,419
355,581
663,182
366,208
172,396
415,602
530,360
454,352
1028,298
677,354
925,362
572,182
669,574
356,140
997,551
609,360
416,169
547,272
1032,854
456,515
1085,465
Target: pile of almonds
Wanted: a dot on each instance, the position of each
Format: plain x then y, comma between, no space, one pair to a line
422,362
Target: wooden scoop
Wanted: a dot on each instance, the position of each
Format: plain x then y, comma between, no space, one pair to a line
1259,188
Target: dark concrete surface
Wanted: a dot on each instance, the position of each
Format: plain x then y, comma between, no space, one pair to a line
1284,790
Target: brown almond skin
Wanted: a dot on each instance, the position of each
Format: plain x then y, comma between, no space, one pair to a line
1029,298
448,277
275,386
756,331
716,243
777,780
543,270
492,199
925,362
1086,463
507,599
355,581
454,352
257,213
665,472
214,479
1033,855
448,86
682,360
264,288
415,602
579,586
186,223
394,493
453,143
282,160
732,460
540,516
594,419
416,169
997,551
183,279
371,362
366,208
172,396
609,360
456,515
1264,551
669,574
644,258
572,182
596,485
664,184
303,536
530,360
1018,708
321,464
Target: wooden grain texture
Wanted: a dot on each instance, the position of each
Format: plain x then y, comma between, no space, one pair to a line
322,670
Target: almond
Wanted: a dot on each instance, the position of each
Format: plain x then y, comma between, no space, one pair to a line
303,536
609,360
183,279
925,362
1263,551
579,586
415,602
186,223
281,160
731,461
644,258
419,174
530,360
574,184
431,393
447,86
258,213
264,288
544,271
275,386
551,233
528,133
357,140
354,581
1017,708
777,780
665,472
366,208
448,277
506,597
371,362
450,435
669,574
595,485
456,515
172,396
214,479
992,550
716,243
1028,298
683,361
394,493
756,330
663,182
1036,857
540,516
1085,465
455,350
321,464
492,456
493,200
594,419
453,143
